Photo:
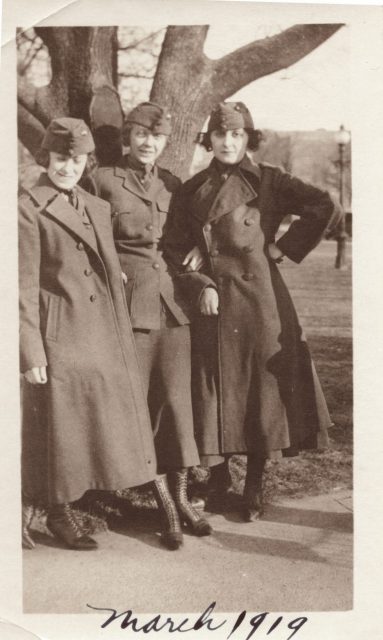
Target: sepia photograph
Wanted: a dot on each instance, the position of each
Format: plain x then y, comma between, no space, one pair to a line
186,191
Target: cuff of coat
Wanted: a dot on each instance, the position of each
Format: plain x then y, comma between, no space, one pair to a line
211,285
293,253
194,283
30,360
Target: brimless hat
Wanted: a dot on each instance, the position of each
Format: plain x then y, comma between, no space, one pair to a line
151,116
69,136
230,115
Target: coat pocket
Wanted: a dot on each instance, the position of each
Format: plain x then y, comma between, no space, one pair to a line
51,315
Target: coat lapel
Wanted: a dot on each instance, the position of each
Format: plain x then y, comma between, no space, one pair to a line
214,198
98,211
131,182
60,209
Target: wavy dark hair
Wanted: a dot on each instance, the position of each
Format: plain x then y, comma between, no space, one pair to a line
255,138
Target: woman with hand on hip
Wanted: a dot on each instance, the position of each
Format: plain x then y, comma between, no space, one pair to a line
85,419
255,390
140,192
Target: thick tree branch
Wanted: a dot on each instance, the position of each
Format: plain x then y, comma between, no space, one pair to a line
266,56
30,129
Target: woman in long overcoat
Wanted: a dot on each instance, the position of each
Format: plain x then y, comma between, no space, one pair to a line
85,418
140,192
255,389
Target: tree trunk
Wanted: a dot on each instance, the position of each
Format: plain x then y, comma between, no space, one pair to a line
84,63
190,84
187,82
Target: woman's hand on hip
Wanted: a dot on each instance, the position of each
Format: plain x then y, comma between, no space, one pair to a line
193,260
275,253
36,375
208,305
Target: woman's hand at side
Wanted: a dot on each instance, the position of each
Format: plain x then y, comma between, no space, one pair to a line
208,305
36,375
193,260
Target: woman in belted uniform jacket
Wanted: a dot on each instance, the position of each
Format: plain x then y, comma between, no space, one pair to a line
255,389
85,418
139,192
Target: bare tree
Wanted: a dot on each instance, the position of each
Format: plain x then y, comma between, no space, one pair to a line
85,79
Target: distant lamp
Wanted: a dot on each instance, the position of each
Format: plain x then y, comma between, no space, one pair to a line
342,138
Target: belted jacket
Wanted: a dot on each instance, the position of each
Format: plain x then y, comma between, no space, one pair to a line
139,223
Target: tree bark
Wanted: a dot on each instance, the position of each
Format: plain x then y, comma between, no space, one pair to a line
190,84
84,63
187,82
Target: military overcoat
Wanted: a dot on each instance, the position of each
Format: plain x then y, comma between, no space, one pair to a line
88,427
254,384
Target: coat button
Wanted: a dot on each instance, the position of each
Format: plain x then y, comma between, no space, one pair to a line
249,222
248,276
248,249
93,297
88,272
155,265
207,227
214,253
80,246
149,227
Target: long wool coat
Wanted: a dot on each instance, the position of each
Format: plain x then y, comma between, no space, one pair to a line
88,427
254,385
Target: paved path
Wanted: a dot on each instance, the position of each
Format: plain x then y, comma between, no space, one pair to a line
298,557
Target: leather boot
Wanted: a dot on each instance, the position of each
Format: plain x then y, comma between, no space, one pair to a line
27,514
252,494
171,536
62,522
178,485
218,486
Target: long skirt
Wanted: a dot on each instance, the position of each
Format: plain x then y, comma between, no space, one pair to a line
164,359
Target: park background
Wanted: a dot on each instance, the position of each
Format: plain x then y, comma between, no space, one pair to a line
365,100
299,109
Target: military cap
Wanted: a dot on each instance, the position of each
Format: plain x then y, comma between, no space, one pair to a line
69,136
151,116
230,115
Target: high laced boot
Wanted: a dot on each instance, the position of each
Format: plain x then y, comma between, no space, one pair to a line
171,536
27,514
62,522
252,494
188,514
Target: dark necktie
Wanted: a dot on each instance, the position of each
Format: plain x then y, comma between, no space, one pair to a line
77,202
148,176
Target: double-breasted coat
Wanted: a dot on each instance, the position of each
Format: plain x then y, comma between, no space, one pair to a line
255,388
88,427
158,311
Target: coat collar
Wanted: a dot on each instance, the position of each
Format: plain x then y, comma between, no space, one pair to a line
215,198
53,202
132,183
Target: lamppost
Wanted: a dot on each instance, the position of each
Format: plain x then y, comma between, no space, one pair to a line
342,138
